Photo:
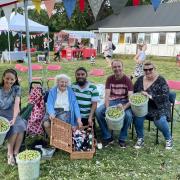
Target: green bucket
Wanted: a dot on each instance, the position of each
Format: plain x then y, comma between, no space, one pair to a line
140,108
3,133
114,123
28,169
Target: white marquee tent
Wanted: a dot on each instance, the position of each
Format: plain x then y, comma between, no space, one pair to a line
17,23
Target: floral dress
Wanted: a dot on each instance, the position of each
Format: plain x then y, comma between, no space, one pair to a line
35,121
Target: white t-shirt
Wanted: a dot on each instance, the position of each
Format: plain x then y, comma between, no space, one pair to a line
108,51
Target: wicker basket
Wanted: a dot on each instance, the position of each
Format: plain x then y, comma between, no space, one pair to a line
61,138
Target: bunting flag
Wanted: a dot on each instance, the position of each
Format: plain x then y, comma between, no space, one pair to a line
95,6
49,6
69,6
117,5
81,5
155,4
136,2
37,4
7,11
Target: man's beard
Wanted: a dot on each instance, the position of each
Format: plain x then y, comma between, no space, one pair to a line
81,83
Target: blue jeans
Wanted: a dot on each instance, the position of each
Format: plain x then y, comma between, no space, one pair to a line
161,124
100,116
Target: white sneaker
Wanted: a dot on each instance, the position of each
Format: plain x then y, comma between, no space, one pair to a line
139,144
169,144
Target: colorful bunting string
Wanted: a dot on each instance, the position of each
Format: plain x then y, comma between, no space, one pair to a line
69,6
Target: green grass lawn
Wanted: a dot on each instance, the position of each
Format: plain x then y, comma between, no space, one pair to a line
151,162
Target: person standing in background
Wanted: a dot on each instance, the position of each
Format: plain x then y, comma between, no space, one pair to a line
57,54
140,57
46,42
108,52
17,45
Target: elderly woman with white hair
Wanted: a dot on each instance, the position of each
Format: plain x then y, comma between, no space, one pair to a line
62,104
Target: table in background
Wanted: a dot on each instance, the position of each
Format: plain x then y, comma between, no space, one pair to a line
70,53
88,52
14,56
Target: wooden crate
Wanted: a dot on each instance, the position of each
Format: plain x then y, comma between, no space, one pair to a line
61,138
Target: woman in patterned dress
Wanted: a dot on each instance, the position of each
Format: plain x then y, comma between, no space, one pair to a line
10,93
155,87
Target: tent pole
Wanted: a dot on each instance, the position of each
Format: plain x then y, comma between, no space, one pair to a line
9,47
48,48
28,42
21,41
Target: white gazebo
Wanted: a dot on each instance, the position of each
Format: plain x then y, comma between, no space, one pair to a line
17,23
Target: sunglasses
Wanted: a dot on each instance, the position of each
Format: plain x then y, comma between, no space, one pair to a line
150,69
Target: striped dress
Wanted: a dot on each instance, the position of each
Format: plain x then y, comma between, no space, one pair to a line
85,97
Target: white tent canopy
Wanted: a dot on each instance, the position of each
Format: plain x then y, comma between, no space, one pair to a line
17,23
80,34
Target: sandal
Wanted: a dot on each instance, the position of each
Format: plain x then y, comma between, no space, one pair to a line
15,156
11,160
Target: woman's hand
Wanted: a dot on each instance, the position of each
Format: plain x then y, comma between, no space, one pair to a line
12,122
51,117
80,124
146,94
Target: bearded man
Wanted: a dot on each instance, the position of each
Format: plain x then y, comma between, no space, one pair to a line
86,95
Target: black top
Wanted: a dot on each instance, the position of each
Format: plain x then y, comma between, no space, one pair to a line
159,105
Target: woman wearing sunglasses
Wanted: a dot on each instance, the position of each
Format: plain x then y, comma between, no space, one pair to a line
154,86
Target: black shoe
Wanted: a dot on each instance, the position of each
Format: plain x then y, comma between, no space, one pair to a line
108,142
122,144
